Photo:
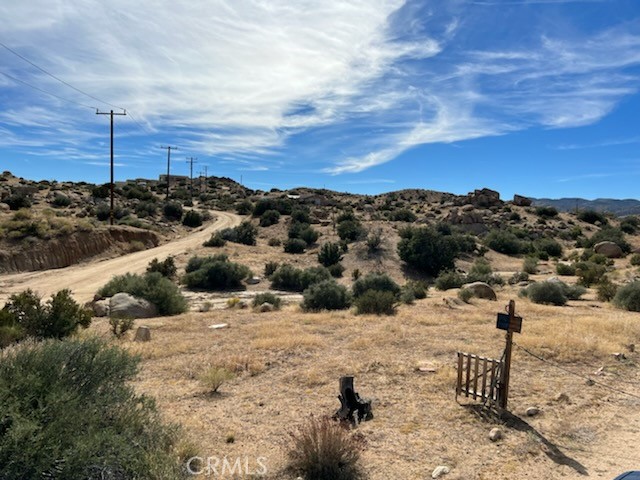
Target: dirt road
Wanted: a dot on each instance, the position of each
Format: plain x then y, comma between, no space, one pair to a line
85,279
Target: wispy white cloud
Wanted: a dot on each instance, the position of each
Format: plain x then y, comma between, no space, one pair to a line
604,143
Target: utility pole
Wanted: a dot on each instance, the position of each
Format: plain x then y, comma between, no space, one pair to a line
168,149
111,114
190,161
206,178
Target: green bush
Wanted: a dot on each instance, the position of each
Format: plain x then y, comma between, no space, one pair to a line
146,209
565,269
326,295
427,250
629,224
17,201
329,254
283,206
465,294
295,245
546,212
376,302
403,215
591,216
589,273
606,290
376,281
24,315
635,259
192,219
214,273
628,297
173,211
69,411
245,207
530,265
215,240
101,191
244,233
269,268
269,217
309,235
546,292
449,279
374,241
350,230
153,287
505,242
549,246
518,277
300,215
267,297
481,271
336,270
60,200
166,268
274,242
287,277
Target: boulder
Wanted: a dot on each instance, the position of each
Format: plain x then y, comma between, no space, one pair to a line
495,434
439,471
521,201
484,198
253,280
101,308
608,249
532,411
143,334
125,305
481,290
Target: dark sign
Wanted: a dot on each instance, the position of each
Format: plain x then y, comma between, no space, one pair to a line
504,323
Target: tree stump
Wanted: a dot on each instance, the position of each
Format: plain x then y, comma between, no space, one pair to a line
143,334
353,408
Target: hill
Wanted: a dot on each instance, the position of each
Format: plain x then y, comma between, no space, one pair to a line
620,208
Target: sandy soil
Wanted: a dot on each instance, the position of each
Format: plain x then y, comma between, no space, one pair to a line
85,279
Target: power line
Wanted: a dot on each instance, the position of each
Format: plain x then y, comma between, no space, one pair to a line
46,92
58,78
585,377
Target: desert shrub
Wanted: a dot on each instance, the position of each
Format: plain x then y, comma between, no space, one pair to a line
380,282
214,377
103,212
216,240
146,209
192,219
515,217
481,271
629,224
355,275
465,295
70,411
101,191
449,279
589,273
505,242
628,297
530,265
274,242
120,325
245,207
374,241
287,277
417,288
350,230
518,277
269,217
269,268
300,215
330,253
635,259
16,201
565,269
403,215
173,211
166,268
326,295
427,250
549,246
600,259
610,234
309,235
573,292
153,287
376,302
283,206
60,200
322,449
244,233
546,212
606,290
295,245
267,297
546,292
336,270
347,215
24,315
591,216
214,273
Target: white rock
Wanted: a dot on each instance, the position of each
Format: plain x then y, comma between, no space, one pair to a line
439,471
101,308
495,434
218,326
125,305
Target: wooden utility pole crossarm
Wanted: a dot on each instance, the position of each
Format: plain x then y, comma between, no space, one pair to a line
111,114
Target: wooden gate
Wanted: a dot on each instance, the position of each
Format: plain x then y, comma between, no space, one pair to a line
479,377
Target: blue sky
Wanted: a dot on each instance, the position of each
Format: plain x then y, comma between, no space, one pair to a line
538,97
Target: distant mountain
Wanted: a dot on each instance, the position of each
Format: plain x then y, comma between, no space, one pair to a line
620,208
